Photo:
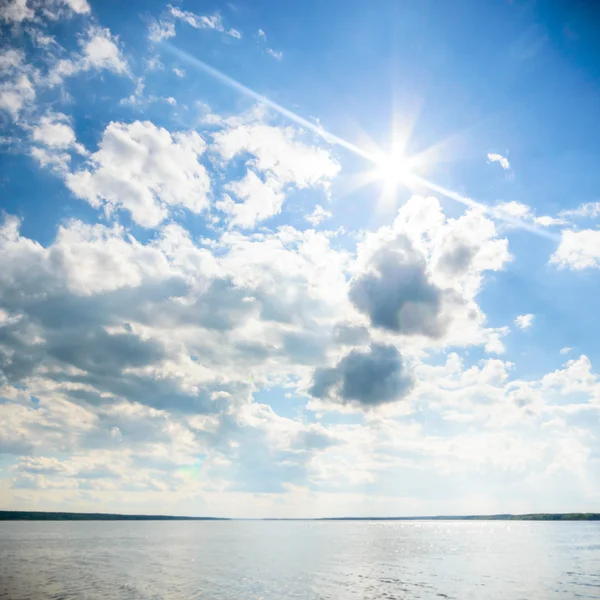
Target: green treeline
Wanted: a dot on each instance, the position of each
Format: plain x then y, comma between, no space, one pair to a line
19,515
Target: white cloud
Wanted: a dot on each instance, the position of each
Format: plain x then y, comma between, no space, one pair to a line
16,94
277,151
261,34
11,60
17,91
547,221
501,160
283,161
276,54
578,250
15,11
515,209
575,376
318,215
119,395
138,95
55,131
81,7
99,50
153,64
179,72
161,30
203,21
18,11
59,161
565,350
259,200
40,39
588,210
57,9
130,358
524,321
145,170
523,212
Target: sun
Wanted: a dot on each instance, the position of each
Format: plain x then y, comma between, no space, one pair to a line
392,170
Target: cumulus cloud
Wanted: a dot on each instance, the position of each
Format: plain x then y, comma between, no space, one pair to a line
278,151
133,359
524,321
15,11
259,200
145,170
102,290
99,51
566,350
55,139
16,94
397,294
16,90
19,11
498,158
515,209
578,250
420,276
318,215
575,376
547,221
54,130
367,378
279,162
81,327
143,362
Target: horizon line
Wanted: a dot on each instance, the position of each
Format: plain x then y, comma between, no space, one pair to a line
98,516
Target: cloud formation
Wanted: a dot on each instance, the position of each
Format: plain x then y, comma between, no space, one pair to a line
498,158
367,378
145,170
207,331
524,321
578,250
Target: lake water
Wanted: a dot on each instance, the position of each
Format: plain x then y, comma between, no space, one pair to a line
302,559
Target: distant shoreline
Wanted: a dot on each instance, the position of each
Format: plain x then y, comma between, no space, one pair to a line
19,515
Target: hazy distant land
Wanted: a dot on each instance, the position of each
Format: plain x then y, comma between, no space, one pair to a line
19,515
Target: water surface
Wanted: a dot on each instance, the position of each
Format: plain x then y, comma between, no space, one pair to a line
271,560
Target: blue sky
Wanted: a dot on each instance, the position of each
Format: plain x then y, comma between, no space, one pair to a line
299,259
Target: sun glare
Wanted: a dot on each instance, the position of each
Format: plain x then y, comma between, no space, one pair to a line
392,169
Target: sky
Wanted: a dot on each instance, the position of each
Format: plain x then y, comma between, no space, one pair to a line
276,259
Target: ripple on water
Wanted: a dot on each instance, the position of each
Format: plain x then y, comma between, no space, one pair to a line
312,561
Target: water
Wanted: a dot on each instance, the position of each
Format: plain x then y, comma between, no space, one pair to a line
303,559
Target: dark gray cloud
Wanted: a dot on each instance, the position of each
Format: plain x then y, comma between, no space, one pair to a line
366,378
350,335
457,260
314,439
397,294
304,348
